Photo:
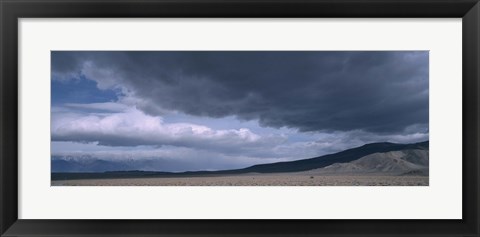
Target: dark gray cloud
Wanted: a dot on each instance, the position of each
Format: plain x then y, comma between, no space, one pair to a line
380,92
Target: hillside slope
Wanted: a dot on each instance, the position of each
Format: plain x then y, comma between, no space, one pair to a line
340,157
413,161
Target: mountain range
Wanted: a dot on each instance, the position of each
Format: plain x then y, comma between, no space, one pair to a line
375,158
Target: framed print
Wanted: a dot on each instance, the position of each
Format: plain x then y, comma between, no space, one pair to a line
115,141
176,118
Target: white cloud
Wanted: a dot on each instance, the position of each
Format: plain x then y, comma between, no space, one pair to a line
132,127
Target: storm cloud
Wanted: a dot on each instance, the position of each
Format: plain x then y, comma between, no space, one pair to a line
210,110
379,92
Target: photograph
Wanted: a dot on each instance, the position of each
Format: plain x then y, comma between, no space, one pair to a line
239,118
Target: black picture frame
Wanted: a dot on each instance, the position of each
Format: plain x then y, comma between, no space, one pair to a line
11,11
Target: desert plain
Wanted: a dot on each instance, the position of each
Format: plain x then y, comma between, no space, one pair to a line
278,179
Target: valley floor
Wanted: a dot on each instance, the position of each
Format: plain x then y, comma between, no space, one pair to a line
285,179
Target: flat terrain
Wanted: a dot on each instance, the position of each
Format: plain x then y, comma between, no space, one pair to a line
285,179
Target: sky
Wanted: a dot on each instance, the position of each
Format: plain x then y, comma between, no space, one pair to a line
213,110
